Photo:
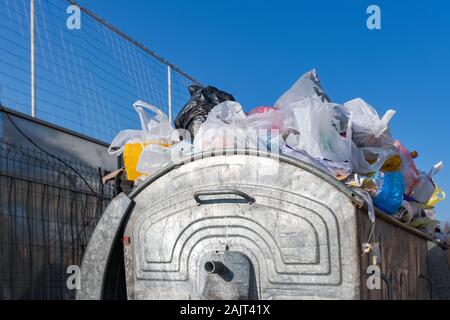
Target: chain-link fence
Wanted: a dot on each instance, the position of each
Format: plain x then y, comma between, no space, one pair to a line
82,79
47,215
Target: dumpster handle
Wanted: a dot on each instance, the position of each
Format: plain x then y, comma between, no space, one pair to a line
245,197
428,279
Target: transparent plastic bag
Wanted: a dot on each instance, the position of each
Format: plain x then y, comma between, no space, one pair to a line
308,86
224,128
263,129
368,129
339,170
154,129
265,118
154,157
319,131
377,155
157,126
124,137
368,200
426,187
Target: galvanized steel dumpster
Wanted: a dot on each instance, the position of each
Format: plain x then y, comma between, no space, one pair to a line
245,225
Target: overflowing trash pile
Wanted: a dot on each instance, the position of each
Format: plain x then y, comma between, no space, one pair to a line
349,141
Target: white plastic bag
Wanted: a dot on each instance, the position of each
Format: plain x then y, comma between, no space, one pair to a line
308,86
338,170
155,128
224,128
368,129
319,131
270,120
424,190
359,156
314,127
124,137
154,157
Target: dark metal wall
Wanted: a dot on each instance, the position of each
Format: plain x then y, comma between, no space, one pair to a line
48,210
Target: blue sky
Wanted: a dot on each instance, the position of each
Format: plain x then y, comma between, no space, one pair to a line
257,49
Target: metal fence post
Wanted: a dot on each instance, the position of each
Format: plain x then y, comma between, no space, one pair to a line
169,92
33,62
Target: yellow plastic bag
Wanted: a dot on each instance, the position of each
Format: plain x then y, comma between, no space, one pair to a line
438,196
132,153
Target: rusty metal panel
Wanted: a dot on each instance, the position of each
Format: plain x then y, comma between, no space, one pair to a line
403,260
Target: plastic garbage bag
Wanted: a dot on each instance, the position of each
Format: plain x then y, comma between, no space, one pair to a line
154,157
323,131
369,202
308,86
195,112
408,168
123,137
156,130
224,128
265,118
370,159
438,196
319,131
266,140
262,109
390,188
339,170
356,183
314,129
438,167
373,142
368,129
426,186
228,127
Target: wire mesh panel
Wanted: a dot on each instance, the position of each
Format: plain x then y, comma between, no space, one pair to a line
180,92
15,54
86,79
47,216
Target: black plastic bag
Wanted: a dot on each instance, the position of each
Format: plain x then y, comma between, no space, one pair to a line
196,110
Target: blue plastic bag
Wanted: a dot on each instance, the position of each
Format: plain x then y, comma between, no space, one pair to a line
391,187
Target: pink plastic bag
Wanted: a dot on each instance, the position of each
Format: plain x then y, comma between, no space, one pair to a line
408,168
